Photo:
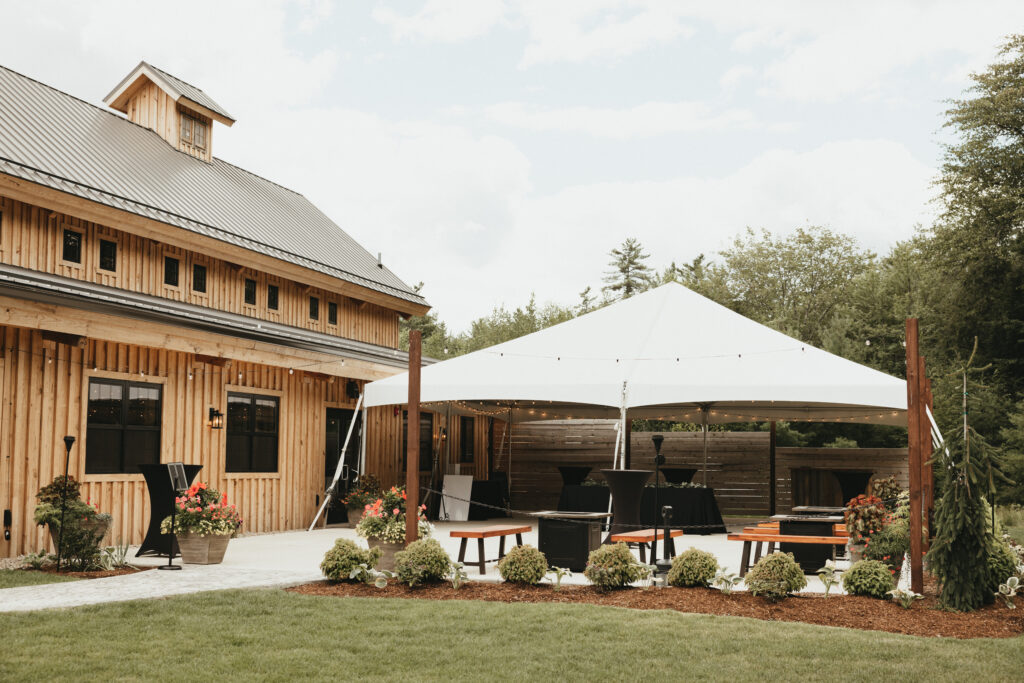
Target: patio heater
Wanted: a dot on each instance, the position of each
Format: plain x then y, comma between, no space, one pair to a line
662,564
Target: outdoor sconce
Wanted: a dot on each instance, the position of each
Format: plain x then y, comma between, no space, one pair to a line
443,435
216,419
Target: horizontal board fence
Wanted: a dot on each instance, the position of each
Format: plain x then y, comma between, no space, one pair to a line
737,466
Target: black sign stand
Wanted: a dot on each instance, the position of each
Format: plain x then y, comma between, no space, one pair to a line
179,482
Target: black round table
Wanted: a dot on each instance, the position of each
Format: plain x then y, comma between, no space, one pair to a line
627,489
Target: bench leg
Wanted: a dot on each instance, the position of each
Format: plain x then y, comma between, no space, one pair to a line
757,551
519,539
480,555
771,547
462,551
671,547
501,547
745,558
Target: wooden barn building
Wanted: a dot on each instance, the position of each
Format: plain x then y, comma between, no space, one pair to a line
160,305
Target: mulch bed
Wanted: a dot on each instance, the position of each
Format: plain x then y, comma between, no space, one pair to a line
98,574
923,619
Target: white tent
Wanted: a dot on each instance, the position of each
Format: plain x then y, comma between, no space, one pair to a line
668,353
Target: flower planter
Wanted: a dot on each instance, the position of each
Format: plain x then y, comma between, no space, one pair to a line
97,526
354,514
387,553
855,551
196,549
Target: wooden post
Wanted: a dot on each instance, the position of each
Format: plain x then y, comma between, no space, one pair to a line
771,471
628,444
914,450
412,467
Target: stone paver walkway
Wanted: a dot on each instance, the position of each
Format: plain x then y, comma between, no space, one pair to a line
283,559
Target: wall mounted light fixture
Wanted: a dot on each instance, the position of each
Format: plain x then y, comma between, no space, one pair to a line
216,419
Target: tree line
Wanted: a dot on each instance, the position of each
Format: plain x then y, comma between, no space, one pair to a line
962,277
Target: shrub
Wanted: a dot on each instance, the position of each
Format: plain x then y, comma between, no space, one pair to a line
345,556
887,489
1002,563
423,561
869,577
693,568
523,564
613,566
775,576
865,516
889,545
59,489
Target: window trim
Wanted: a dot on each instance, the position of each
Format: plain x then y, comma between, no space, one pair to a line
126,381
253,393
81,246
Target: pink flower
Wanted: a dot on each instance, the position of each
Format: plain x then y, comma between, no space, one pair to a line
395,511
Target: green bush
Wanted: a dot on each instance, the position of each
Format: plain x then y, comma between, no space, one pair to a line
613,566
869,577
61,488
1002,564
693,567
775,576
523,564
423,561
345,556
889,545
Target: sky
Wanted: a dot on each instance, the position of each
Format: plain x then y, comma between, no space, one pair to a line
492,149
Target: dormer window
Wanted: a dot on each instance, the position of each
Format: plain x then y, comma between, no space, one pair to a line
193,131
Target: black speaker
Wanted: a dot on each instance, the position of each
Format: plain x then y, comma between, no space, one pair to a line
352,389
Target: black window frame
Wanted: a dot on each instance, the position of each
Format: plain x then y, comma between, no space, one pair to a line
93,429
172,273
426,441
77,246
314,308
249,288
235,437
109,244
467,440
273,297
199,276
332,313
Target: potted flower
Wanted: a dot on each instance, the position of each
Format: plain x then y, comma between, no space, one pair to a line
83,524
864,516
366,491
383,525
204,522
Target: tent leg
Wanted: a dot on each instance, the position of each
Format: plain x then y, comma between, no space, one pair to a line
704,428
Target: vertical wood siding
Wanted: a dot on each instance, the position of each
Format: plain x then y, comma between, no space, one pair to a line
31,237
44,388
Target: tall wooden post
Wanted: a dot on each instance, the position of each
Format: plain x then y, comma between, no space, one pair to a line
412,467
771,471
629,444
914,449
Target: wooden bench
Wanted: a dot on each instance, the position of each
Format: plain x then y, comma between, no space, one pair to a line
764,536
480,533
643,537
837,529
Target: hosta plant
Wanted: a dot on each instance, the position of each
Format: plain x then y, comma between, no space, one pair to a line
1007,591
828,577
559,574
904,598
725,581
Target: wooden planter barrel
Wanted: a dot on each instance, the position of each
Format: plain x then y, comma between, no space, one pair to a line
387,553
98,527
196,549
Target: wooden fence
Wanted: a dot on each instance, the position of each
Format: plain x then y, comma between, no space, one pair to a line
737,468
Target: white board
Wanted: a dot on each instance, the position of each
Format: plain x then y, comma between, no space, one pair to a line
456,486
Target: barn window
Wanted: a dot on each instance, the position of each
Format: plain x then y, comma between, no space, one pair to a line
272,297
193,131
250,292
198,278
170,271
108,255
252,424
314,308
332,313
123,426
72,246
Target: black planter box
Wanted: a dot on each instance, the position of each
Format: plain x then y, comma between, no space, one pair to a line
568,542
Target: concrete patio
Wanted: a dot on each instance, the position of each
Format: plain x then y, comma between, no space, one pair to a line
287,559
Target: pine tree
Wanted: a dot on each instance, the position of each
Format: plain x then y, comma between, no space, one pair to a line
629,274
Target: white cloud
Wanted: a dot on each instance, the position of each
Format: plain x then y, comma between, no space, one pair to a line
444,21
644,120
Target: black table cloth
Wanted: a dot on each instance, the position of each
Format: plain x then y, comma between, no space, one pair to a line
694,510
492,493
161,500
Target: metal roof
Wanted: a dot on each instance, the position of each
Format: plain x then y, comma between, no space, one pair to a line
33,285
191,92
59,141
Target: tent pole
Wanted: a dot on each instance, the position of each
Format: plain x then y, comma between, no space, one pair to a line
332,489
704,428
771,471
622,430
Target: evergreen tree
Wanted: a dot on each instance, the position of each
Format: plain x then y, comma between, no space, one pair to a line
629,274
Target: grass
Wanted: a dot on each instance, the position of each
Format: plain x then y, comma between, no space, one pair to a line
274,635
10,578
1011,517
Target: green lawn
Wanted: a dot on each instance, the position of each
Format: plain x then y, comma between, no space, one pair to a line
1017,532
271,634
9,578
